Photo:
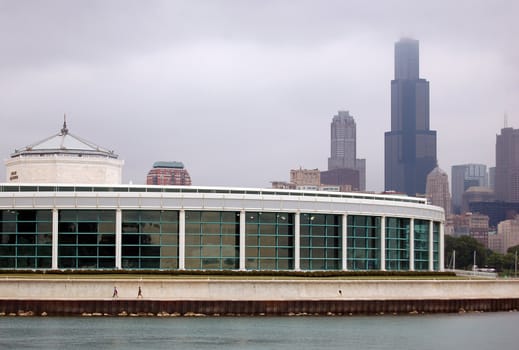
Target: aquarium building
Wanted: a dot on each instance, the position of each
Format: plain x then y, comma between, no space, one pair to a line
64,207
139,227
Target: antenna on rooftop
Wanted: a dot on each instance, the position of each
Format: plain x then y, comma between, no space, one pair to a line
64,130
506,121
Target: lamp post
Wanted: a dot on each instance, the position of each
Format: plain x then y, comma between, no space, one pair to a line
515,265
474,264
454,259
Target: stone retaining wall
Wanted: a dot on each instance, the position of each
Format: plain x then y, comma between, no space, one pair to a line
213,297
223,289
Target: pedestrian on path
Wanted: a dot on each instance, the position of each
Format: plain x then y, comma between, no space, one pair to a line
116,293
139,294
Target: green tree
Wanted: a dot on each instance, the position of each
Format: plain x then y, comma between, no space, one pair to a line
464,246
501,262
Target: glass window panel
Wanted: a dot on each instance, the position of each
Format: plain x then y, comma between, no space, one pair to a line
268,264
170,229
268,241
168,251
193,216
150,228
193,228
230,217
210,240
193,263
267,217
193,240
166,263
230,228
210,216
169,216
213,228
285,252
230,240
130,215
44,227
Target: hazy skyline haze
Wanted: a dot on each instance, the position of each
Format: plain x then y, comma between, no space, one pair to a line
243,91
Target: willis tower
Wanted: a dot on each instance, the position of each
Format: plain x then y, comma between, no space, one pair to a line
410,146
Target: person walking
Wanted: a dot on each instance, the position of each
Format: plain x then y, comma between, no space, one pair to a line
139,294
116,293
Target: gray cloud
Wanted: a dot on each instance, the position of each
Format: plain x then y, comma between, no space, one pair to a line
242,91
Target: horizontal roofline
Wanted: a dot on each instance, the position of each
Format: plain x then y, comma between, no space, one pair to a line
55,187
69,151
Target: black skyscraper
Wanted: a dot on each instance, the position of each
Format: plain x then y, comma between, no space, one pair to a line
410,146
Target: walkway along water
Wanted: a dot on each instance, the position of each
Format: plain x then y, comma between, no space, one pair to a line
253,297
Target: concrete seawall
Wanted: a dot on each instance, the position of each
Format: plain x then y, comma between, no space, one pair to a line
224,297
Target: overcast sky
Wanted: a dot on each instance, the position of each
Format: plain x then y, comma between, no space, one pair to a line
243,91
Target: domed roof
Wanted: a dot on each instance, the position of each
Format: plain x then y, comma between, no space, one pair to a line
64,143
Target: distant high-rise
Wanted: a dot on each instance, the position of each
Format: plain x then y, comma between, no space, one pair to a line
437,190
507,236
464,176
492,177
305,177
168,173
507,165
410,146
343,143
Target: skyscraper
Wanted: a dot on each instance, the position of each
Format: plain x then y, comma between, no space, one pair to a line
437,190
464,176
507,165
343,143
410,146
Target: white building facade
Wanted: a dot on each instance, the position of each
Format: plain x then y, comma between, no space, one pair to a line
64,158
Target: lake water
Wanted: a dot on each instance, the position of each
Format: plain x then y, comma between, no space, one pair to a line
451,331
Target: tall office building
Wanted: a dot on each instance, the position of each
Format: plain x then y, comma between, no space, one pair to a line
492,178
437,190
410,146
464,176
507,236
343,143
507,165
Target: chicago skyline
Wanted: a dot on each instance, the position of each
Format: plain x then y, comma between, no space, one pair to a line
212,85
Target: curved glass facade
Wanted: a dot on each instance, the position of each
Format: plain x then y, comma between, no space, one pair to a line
163,228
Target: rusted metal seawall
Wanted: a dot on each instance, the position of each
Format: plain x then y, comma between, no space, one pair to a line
119,307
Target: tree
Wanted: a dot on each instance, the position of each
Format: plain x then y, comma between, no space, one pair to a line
501,262
465,246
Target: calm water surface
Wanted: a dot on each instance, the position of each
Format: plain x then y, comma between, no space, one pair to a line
468,331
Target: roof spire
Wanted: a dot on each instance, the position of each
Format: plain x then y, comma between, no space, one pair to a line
64,130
